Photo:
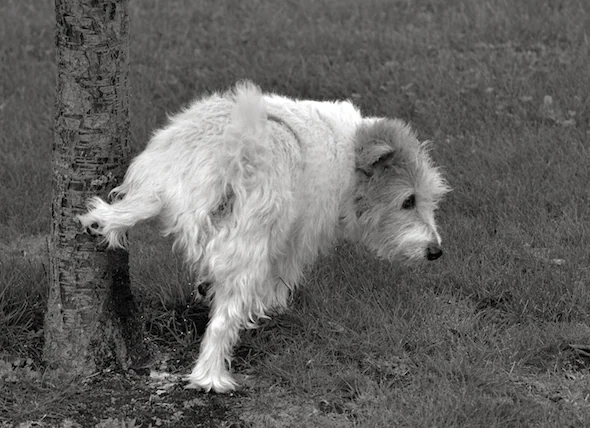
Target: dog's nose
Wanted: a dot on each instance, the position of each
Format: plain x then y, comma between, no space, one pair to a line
433,251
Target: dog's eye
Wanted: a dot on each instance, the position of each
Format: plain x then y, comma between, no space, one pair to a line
409,202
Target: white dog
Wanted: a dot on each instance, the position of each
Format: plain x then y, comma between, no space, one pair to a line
253,186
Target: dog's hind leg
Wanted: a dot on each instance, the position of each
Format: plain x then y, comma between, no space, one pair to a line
112,220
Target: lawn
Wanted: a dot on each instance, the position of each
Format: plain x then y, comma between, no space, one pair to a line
494,334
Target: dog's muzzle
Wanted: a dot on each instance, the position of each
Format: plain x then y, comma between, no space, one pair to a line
433,251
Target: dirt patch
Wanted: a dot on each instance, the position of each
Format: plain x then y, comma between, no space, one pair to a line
115,400
129,400
151,403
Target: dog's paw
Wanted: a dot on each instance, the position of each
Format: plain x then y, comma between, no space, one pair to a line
94,229
218,382
91,226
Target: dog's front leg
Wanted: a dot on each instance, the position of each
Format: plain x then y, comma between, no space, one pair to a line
222,333
238,275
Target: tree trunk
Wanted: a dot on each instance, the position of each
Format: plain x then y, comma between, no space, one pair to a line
90,321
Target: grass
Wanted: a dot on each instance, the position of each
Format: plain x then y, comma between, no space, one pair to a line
480,338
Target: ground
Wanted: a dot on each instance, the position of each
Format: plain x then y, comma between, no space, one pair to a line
496,333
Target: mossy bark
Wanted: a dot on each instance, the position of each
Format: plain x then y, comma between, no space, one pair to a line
91,318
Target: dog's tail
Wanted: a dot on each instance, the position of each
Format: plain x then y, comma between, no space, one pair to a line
248,156
111,221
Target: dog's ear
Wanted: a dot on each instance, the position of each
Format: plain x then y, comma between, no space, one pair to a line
380,143
374,150
373,156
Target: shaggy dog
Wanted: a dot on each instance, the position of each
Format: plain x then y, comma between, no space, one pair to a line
254,186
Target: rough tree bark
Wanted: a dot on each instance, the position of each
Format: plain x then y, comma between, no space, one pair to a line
90,321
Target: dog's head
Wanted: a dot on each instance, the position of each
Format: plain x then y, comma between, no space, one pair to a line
397,191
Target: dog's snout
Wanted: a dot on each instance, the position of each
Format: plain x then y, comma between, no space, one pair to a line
433,251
